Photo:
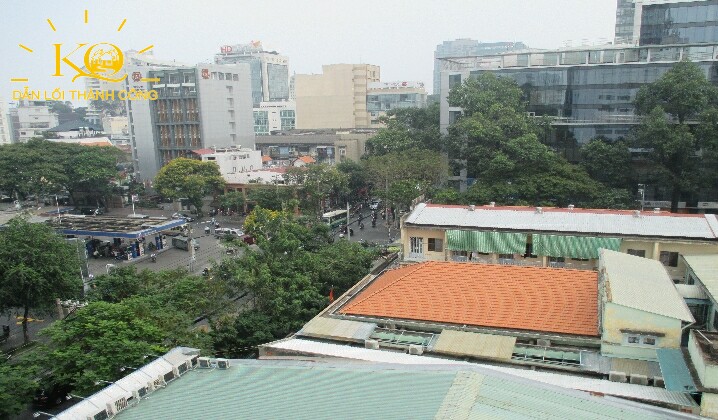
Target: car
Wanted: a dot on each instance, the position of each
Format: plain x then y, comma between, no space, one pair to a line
374,205
183,216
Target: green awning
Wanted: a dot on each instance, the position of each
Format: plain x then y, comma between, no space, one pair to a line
572,246
491,242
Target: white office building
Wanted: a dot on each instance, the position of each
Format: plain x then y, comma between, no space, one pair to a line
30,119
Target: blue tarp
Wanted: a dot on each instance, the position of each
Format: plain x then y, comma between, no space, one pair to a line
676,374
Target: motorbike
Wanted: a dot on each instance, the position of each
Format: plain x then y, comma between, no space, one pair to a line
153,257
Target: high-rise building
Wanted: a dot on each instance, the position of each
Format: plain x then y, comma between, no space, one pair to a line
206,105
269,69
382,97
466,47
5,137
274,116
336,98
666,22
30,119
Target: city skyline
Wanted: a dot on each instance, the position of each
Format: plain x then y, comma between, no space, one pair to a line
399,36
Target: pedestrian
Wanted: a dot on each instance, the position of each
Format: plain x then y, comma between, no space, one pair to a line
351,232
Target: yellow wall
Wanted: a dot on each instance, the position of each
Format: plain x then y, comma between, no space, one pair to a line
336,98
651,247
617,317
707,372
709,405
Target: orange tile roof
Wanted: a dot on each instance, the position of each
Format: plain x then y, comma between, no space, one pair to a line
499,296
266,159
307,159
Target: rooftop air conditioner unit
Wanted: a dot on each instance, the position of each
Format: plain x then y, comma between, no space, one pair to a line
175,372
659,382
639,379
636,213
656,209
492,204
204,363
571,206
543,342
614,376
539,210
472,207
416,350
223,364
371,344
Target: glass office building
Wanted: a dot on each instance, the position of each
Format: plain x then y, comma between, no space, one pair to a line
589,92
688,22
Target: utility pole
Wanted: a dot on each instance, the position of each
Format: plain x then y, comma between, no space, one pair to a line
348,231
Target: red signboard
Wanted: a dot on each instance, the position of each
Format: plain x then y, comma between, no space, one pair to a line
136,76
225,49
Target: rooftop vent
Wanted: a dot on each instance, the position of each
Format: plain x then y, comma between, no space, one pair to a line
539,210
571,206
472,207
636,213
656,209
371,344
492,204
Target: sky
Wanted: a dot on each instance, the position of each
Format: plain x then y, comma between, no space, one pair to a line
398,35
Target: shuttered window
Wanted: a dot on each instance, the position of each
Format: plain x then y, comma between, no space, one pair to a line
487,242
572,246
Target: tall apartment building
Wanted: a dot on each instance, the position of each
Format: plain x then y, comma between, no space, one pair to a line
206,105
382,97
5,137
466,47
336,98
269,70
30,119
274,116
666,22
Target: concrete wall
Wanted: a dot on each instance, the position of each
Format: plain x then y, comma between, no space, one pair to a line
144,152
336,98
653,250
709,405
617,317
425,234
707,373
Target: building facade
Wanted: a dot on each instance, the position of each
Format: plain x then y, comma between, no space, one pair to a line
5,137
666,22
274,116
625,12
589,91
337,98
200,106
385,96
30,119
269,70
232,160
324,146
468,48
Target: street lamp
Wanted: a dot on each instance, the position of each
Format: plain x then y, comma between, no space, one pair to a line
642,192
42,413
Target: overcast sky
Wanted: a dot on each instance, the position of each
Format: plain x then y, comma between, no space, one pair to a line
399,36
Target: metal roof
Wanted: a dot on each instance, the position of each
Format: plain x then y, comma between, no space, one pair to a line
464,343
625,390
674,370
338,328
621,223
643,284
705,267
113,227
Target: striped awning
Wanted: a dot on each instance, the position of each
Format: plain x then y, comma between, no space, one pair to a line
491,242
572,246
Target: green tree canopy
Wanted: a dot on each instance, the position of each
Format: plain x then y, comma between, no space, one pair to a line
37,266
189,178
16,388
233,200
318,186
682,153
407,128
608,162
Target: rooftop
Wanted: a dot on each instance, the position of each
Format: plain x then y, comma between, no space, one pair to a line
76,125
643,284
317,389
114,227
705,267
621,223
484,295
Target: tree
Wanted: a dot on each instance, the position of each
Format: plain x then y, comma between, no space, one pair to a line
498,144
356,179
683,153
16,388
273,198
399,177
318,186
608,162
95,343
37,266
233,200
407,128
189,178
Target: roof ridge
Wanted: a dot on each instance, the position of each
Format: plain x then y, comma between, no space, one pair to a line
418,267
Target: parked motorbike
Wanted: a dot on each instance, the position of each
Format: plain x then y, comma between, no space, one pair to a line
153,257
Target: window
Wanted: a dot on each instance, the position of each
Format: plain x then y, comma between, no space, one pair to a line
636,252
436,245
230,89
633,339
417,245
230,102
649,341
530,251
669,259
506,256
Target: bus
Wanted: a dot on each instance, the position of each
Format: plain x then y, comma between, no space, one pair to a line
335,218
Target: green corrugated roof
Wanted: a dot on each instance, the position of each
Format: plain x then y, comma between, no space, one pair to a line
492,242
572,246
304,390
676,374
